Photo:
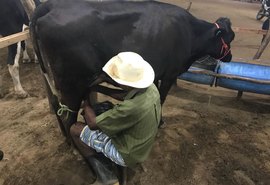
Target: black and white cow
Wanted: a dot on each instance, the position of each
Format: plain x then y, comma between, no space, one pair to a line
13,19
76,38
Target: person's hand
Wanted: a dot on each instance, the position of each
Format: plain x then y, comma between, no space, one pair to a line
89,116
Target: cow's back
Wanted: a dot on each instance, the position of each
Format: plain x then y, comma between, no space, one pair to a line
12,17
101,30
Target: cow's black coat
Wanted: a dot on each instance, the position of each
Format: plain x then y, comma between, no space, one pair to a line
12,18
78,37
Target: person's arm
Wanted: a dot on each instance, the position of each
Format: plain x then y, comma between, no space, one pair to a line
117,94
89,116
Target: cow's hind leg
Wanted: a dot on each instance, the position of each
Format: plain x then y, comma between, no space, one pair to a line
66,116
67,111
13,68
164,88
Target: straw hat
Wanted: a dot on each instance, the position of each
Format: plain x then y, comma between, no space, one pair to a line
130,69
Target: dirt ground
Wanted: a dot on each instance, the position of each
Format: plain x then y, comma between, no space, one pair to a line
210,138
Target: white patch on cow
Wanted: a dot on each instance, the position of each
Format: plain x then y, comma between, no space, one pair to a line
14,72
25,27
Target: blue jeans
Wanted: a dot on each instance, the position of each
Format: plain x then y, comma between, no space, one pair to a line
101,143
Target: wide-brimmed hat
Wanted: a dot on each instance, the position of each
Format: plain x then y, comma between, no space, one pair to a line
130,69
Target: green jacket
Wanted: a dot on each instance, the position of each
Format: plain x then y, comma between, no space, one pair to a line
132,125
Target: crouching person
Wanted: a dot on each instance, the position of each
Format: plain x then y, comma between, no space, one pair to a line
125,134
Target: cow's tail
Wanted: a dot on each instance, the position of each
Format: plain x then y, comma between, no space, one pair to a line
39,12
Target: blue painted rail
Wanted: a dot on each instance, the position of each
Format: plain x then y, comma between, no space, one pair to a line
239,76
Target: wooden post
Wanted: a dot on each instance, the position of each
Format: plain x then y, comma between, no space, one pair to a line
264,44
189,6
29,7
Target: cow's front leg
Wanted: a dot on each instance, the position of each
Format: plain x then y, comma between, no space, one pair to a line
164,88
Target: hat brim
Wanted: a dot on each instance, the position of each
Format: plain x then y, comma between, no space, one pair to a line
146,80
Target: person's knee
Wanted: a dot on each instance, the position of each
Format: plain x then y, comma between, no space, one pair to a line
76,129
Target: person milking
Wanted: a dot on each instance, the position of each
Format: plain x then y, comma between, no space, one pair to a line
125,133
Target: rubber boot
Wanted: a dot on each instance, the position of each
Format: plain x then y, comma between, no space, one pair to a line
104,174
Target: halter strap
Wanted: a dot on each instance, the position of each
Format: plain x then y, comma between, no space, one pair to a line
225,48
217,25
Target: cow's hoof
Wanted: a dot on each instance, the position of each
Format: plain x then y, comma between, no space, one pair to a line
21,94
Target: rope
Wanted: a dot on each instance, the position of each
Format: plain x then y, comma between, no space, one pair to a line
225,48
63,108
